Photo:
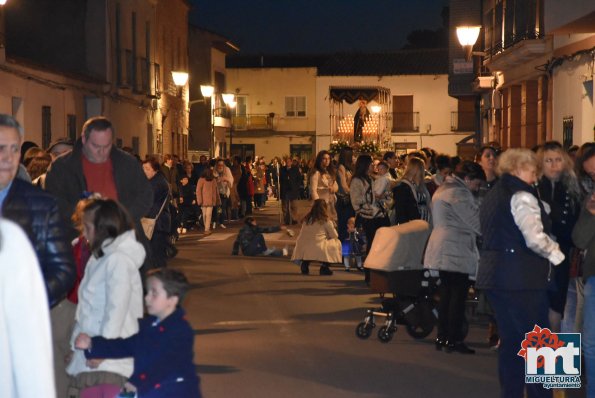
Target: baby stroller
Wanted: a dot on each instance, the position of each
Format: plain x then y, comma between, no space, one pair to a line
395,265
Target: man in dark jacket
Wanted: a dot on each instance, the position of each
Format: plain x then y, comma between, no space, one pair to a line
96,165
36,212
291,180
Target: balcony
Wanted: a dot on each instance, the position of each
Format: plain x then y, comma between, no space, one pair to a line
514,34
253,122
405,122
462,121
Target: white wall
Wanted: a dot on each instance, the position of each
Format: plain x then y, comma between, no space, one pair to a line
38,88
266,89
570,99
430,99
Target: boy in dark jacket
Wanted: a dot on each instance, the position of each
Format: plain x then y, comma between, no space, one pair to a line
251,240
163,347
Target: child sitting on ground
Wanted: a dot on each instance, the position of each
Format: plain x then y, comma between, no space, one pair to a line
353,247
163,347
251,240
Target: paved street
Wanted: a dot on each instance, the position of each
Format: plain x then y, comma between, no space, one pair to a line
264,329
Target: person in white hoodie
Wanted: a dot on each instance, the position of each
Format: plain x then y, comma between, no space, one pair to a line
110,296
26,364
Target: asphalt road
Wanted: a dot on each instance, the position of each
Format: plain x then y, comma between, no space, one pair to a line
263,329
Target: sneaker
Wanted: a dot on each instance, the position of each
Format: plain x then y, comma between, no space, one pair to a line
184,230
214,225
223,226
290,233
285,251
179,230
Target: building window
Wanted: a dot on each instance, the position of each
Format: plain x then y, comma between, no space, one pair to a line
71,126
46,126
295,106
567,126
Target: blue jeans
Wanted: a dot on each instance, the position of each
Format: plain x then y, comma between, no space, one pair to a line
517,312
588,336
573,312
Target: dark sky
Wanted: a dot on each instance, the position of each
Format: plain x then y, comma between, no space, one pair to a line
316,26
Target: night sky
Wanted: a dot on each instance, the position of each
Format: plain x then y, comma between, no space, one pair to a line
316,26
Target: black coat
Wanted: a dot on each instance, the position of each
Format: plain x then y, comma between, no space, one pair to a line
161,193
36,212
66,181
291,182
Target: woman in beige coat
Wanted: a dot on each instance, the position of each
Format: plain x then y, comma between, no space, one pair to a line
318,240
207,197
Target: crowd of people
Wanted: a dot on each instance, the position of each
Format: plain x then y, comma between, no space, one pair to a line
97,222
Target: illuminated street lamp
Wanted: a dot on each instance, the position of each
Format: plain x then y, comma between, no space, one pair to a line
467,36
180,78
207,90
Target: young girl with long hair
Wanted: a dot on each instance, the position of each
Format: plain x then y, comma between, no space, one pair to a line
110,296
318,240
207,196
323,181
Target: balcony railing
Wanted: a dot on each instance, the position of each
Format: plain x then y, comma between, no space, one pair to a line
405,122
253,122
506,26
462,121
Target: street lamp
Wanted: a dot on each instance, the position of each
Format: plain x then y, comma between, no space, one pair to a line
468,36
208,91
231,105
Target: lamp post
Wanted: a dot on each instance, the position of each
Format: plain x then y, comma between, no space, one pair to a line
468,36
232,106
208,91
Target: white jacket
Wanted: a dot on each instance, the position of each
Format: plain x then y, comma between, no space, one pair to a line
110,300
26,364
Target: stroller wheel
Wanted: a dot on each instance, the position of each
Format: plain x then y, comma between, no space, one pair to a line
364,330
385,334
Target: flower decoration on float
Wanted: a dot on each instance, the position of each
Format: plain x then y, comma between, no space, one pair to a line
369,147
337,145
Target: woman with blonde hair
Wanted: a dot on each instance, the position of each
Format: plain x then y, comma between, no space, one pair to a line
515,263
411,197
559,188
318,240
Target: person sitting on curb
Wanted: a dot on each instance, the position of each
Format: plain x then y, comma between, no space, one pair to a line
251,240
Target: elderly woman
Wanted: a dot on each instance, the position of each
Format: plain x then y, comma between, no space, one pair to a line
453,251
559,188
323,182
515,263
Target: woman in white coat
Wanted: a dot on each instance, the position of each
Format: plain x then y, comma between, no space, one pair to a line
318,240
452,249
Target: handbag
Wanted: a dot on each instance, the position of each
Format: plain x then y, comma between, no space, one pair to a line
148,224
